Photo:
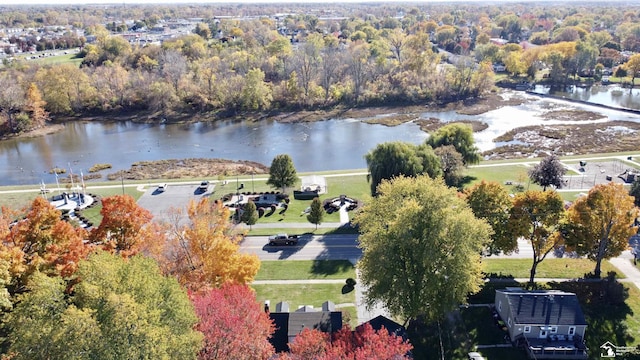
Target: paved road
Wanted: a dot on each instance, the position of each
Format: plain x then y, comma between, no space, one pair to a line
310,247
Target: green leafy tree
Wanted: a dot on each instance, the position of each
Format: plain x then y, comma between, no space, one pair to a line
120,309
249,214
452,164
536,215
392,159
600,224
633,67
256,94
490,201
316,213
282,173
421,248
549,171
460,136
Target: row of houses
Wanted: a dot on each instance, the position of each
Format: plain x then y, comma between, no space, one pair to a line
547,324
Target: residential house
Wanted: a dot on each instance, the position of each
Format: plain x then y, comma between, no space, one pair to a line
549,324
289,324
392,327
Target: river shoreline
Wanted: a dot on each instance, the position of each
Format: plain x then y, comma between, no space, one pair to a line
530,141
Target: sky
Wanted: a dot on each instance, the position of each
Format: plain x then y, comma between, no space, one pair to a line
63,2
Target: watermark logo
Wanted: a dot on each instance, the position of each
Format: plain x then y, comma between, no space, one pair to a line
608,350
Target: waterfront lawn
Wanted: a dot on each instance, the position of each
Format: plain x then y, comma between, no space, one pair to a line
306,269
564,268
355,186
18,200
309,294
515,174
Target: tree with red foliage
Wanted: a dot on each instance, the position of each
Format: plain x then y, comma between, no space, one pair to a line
233,323
309,344
125,227
362,344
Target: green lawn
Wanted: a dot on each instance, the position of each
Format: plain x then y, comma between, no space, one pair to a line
632,321
59,59
309,294
549,268
301,231
516,174
306,269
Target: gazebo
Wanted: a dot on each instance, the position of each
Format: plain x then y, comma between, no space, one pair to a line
314,183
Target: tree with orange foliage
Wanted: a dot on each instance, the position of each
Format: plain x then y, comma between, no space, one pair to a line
600,224
362,344
35,106
205,252
233,323
42,241
125,227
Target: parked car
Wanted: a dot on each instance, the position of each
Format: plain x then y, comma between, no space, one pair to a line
162,187
283,239
204,186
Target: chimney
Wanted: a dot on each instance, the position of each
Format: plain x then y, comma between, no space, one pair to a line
282,306
328,306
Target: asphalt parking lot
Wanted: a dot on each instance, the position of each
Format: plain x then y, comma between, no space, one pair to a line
160,203
591,173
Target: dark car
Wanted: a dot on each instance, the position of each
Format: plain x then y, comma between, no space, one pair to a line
283,239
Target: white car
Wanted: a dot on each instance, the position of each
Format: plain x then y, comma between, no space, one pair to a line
162,187
475,356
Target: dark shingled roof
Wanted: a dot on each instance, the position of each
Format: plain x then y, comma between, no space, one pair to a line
291,323
544,307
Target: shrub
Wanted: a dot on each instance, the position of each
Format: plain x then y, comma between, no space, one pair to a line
98,167
57,170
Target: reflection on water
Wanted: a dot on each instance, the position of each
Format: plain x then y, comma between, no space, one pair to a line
611,95
323,145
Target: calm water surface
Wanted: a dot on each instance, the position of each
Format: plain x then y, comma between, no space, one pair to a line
323,145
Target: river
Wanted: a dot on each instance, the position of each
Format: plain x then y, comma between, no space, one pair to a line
323,145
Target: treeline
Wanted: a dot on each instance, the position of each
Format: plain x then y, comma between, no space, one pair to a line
254,69
292,62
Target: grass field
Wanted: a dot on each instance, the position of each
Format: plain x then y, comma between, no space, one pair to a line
306,269
549,268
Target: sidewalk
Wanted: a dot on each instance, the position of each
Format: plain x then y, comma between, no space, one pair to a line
625,265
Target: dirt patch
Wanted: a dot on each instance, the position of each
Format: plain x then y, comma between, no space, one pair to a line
488,103
403,113
433,124
572,115
613,136
188,168
392,119
45,130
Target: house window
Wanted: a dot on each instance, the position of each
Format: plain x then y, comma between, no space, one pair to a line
509,322
572,330
553,329
527,329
